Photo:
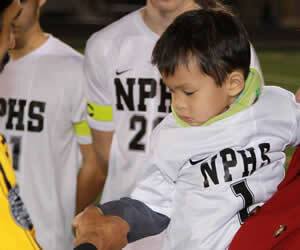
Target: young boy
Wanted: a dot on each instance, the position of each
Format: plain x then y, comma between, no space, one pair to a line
219,154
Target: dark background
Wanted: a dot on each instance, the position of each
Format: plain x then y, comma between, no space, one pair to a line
271,23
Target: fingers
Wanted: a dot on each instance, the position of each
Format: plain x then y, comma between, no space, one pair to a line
105,232
76,220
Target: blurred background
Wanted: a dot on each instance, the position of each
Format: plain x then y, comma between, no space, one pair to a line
273,25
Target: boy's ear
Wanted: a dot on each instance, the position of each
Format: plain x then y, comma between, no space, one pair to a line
235,83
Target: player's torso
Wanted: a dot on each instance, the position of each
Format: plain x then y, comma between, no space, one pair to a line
32,109
140,101
36,118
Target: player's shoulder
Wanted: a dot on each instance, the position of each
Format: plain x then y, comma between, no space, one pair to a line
58,47
115,32
59,54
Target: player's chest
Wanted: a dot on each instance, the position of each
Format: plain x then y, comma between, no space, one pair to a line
227,165
29,101
136,85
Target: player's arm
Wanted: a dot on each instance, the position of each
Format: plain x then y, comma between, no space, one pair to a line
102,143
12,10
88,179
92,175
99,100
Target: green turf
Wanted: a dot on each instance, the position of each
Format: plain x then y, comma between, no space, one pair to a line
281,67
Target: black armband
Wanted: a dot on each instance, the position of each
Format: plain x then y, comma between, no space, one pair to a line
143,221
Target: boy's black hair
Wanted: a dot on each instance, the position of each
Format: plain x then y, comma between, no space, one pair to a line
216,39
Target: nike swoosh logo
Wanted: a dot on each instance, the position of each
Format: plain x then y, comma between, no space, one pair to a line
122,72
196,162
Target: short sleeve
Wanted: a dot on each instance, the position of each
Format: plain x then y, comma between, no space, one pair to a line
97,84
78,106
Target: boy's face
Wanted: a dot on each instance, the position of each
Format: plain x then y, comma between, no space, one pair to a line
195,96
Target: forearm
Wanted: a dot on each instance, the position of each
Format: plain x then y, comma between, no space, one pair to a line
142,220
89,187
90,180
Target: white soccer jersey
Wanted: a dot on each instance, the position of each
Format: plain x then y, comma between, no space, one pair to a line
207,179
126,94
41,100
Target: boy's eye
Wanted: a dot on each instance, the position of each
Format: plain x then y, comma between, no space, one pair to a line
189,92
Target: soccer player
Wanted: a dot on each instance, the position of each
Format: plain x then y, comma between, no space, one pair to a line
43,115
16,229
126,95
217,156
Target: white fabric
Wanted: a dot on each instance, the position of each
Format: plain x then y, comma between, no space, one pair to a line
49,157
207,216
126,45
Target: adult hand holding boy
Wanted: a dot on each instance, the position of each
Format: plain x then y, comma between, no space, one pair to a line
104,232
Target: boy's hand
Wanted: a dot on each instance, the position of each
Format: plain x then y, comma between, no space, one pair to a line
9,15
104,232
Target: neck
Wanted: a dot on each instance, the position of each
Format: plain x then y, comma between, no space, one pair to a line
159,20
28,42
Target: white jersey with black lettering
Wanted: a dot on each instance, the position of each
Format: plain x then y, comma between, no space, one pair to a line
207,179
41,104
126,95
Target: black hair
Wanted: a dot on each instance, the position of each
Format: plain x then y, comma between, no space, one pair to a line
4,4
216,39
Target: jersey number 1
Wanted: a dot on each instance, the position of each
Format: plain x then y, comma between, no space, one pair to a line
15,142
241,189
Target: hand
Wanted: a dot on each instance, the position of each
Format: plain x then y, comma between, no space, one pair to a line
298,95
105,232
9,15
